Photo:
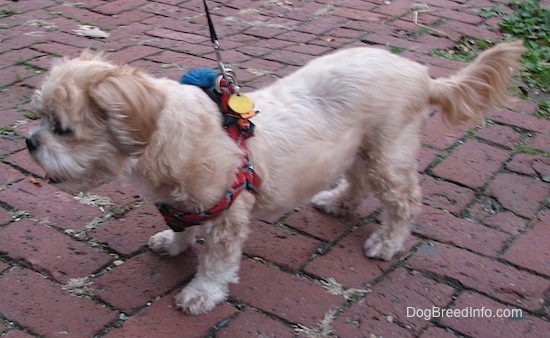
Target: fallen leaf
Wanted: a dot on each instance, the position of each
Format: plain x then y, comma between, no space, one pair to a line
36,182
91,31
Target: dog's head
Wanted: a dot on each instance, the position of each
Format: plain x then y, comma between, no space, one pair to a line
96,117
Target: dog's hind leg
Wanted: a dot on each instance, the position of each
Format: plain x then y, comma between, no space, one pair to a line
350,191
395,183
400,196
219,258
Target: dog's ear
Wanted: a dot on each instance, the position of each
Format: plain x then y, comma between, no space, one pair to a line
132,104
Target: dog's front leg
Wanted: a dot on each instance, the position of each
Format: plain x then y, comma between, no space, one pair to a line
219,258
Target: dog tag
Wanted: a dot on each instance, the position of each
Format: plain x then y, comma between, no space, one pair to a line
240,104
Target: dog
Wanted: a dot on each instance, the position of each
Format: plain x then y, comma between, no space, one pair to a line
344,126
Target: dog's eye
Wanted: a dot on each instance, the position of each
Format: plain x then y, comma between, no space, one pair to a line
59,130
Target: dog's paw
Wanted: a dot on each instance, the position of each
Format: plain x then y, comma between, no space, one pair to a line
381,246
166,243
329,203
198,298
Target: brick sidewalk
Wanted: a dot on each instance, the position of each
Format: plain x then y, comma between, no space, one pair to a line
79,266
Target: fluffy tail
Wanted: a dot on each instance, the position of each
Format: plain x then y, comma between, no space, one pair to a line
467,95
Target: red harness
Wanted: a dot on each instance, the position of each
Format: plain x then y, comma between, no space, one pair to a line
239,129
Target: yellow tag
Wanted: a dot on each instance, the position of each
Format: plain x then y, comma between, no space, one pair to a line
240,104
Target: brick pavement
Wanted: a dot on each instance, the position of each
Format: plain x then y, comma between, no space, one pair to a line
79,267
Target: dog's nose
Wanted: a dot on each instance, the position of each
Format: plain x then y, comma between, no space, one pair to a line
32,143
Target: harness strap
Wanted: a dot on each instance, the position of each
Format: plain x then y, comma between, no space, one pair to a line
239,130
178,220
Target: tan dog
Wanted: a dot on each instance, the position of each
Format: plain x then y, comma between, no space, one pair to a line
350,120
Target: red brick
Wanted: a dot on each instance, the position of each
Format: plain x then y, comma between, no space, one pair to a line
251,324
436,332
130,234
533,165
43,307
434,61
166,10
520,194
521,120
9,175
539,141
289,57
309,49
49,251
186,61
506,221
346,261
196,26
444,227
10,144
20,56
264,65
335,42
476,272
440,136
281,246
362,320
359,14
402,289
458,15
45,202
9,117
502,135
23,160
322,25
123,20
76,41
118,192
459,29
444,195
395,9
264,31
3,266
18,334
425,158
174,35
436,42
297,299
162,320
15,97
531,250
25,128
81,13
524,326
56,48
133,53
118,6
30,5
472,164
299,37
318,224
5,216
142,278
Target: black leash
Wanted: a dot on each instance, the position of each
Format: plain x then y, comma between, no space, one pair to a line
213,35
226,73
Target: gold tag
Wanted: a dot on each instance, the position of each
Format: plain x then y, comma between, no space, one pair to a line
240,104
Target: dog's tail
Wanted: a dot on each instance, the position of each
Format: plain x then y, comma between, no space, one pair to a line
466,95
